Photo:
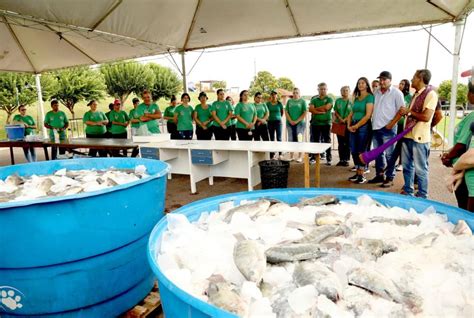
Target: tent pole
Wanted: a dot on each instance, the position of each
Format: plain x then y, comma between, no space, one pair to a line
40,105
454,82
183,68
428,48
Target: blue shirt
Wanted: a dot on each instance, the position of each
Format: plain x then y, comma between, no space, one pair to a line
386,106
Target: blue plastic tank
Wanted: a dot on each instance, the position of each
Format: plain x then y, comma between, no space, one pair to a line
177,303
82,255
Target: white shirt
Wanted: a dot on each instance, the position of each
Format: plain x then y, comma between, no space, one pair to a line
386,106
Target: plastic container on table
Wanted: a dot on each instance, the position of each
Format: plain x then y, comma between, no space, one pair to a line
15,132
81,255
177,303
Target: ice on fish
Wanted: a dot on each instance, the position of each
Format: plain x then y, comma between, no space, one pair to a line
326,217
222,294
251,209
316,274
322,232
302,299
319,200
250,259
291,252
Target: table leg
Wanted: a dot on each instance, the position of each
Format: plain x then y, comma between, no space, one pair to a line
12,156
306,170
317,171
211,180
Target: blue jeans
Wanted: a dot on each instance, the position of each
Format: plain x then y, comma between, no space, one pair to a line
381,136
294,131
30,154
358,143
415,160
186,134
274,127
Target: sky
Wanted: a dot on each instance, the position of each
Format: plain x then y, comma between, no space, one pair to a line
337,60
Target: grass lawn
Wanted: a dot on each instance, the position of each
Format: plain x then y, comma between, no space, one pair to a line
443,126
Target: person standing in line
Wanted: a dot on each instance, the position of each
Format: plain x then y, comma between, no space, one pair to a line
358,125
203,118
416,144
404,87
57,123
295,112
246,115
108,134
388,101
221,111
275,107
149,113
96,123
261,128
183,118
169,117
320,108
29,123
375,85
120,121
233,120
342,109
134,119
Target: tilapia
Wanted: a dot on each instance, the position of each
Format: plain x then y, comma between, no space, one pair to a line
316,274
250,259
319,200
462,228
251,209
294,252
14,180
46,185
222,294
425,239
277,209
322,232
396,221
376,247
327,217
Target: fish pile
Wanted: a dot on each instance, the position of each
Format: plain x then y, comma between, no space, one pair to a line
322,258
66,182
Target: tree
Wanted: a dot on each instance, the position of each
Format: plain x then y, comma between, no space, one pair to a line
125,78
286,83
49,86
264,83
78,84
167,83
15,89
219,84
444,91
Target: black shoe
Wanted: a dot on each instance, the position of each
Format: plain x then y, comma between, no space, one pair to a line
328,163
361,180
340,164
377,179
353,169
345,164
387,183
354,178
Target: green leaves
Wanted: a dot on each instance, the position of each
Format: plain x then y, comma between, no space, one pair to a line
444,91
265,82
16,89
167,83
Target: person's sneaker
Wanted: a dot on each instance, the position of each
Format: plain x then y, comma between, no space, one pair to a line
312,161
361,180
345,163
403,192
299,160
328,163
340,164
367,171
354,178
387,183
377,179
353,169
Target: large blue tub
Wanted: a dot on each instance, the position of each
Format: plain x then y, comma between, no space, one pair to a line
177,303
82,255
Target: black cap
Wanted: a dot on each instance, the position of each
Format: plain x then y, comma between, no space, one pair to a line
385,74
135,100
273,93
201,94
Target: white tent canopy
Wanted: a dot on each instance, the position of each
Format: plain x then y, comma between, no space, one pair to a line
42,35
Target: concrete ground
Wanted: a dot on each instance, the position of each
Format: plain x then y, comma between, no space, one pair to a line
178,189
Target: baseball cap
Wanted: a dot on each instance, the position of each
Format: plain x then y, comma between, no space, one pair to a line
117,102
273,93
385,74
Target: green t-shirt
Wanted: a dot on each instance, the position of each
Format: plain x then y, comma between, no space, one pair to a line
152,125
27,120
169,111
462,132
321,119
185,117
222,110
204,114
109,125
407,99
247,111
469,174
133,115
359,107
56,120
342,108
121,117
275,110
94,117
261,110
295,108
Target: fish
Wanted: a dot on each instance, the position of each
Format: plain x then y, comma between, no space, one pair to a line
46,185
251,209
462,228
327,217
14,180
375,247
277,208
424,239
250,259
396,221
294,252
317,274
319,200
320,233
222,294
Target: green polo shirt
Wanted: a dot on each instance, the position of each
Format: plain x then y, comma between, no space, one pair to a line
185,117
222,110
321,119
56,120
359,108
121,117
152,125
133,115
94,117
204,114
169,111
27,120
275,110
247,111
261,110
295,108
469,174
342,108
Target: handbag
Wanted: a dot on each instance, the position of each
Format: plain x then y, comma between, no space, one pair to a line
339,129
